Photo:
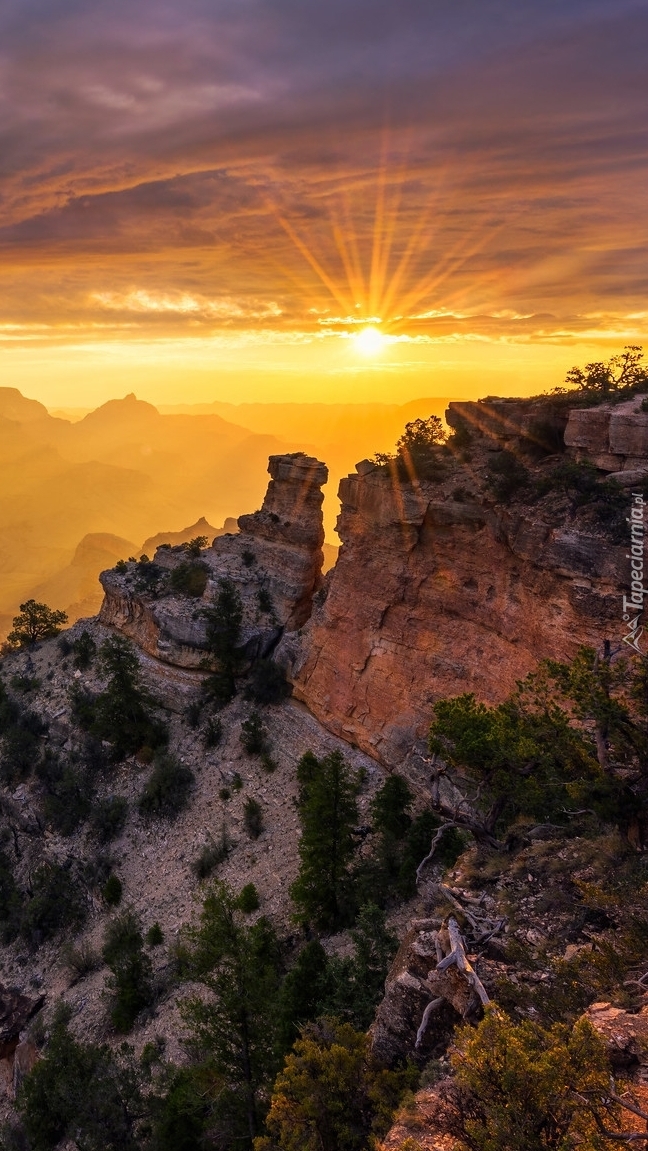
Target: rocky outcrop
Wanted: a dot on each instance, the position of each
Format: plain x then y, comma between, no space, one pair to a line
410,985
275,562
612,436
433,596
16,1010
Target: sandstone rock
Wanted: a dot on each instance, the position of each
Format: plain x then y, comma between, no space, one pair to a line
612,436
625,1035
427,1124
431,597
284,539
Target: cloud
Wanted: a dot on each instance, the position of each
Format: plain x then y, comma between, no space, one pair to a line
178,164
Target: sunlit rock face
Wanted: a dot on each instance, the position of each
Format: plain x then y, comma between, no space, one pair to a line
612,436
275,562
433,596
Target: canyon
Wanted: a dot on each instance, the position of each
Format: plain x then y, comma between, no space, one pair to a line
439,588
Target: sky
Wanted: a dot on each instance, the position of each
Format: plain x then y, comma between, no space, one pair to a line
357,200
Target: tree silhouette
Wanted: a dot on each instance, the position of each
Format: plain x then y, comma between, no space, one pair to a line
36,622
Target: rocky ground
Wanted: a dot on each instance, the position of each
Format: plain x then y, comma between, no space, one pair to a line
153,858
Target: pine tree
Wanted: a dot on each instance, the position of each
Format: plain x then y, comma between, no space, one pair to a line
233,1032
328,812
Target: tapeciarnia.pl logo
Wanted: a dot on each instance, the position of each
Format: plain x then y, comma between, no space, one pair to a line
633,604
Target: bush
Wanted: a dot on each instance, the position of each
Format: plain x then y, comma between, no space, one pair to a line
224,619
211,855
330,1096
109,818
248,899
264,600
189,579
168,788
506,476
112,890
122,713
56,903
268,763
20,752
84,649
213,731
11,900
254,734
194,547
154,936
79,1095
123,952
253,817
248,558
528,1088
81,960
68,793
267,683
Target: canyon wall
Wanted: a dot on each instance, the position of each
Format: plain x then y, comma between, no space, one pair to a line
434,595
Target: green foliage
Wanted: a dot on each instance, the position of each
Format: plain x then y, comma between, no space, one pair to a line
79,1091
112,890
154,936
189,579
527,1088
329,1096
167,789
305,992
9,710
253,817
248,899
233,1031
607,500
109,818
211,855
213,733
417,452
357,983
254,734
328,812
123,952
121,714
68,793
506,475
21,749
148,577
35,622
224,619
267,683
264,600
84,649
55,904
11,900
524,754
194,547
248,558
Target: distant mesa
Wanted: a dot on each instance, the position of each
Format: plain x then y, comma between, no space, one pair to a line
15,406
129,410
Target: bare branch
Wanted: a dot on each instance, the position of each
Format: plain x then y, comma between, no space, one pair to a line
431,1007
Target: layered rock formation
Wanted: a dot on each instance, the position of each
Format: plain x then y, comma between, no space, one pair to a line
274,561
433,596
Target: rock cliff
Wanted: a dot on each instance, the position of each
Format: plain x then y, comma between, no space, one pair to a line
275,561
438,590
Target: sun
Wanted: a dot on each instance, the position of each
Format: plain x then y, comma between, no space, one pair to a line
370,341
